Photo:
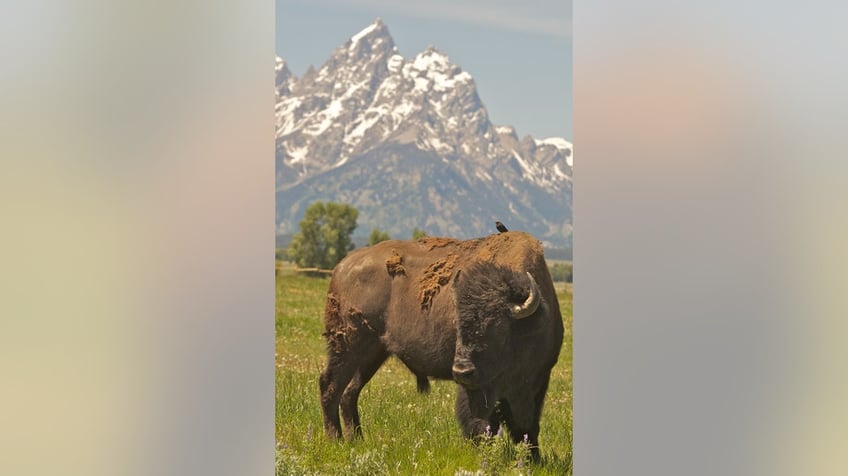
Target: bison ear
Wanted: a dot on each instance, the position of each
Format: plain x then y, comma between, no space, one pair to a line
456,277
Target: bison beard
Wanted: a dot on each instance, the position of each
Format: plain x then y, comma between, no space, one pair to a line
493,329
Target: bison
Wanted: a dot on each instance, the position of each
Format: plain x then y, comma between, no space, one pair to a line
482,312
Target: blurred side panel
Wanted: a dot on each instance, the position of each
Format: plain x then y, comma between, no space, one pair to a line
136,195
710,238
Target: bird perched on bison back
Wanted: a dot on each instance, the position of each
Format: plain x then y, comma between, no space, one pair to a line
500,226
480,312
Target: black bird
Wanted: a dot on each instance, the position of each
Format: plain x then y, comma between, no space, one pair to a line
500,226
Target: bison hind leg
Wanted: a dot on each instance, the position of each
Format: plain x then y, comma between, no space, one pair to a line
331,383
423,383
350,397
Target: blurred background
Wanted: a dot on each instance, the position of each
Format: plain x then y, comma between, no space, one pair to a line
137,332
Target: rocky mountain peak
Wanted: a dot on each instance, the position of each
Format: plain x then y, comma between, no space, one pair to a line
374,33
373,44
431,59
284,78
402,139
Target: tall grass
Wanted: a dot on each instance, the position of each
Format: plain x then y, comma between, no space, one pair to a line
404,432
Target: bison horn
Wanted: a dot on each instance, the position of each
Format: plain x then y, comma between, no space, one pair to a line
530,304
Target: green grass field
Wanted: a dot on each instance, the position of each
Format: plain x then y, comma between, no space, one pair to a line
404,432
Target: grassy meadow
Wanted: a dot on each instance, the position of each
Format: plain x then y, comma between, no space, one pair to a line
404,432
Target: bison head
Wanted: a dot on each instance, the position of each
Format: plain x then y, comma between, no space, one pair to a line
492,302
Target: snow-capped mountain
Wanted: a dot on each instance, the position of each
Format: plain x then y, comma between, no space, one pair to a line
284,80
410,144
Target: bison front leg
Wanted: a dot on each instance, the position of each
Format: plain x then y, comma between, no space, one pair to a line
529,434
523,419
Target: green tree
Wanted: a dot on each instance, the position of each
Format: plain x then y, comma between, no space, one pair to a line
418,233
562,272
324,237
378,236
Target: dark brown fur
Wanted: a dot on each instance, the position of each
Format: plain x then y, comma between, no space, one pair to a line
450,306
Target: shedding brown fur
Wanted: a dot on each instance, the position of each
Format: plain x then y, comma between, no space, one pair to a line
340,328
335,327
435,276
394,264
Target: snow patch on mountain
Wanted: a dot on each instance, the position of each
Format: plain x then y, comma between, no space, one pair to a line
362,34
298,154
395,63
505,130
557,142
561,144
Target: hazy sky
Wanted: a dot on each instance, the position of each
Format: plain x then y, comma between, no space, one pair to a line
519,52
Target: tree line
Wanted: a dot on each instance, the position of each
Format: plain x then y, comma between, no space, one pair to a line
325,235
325,238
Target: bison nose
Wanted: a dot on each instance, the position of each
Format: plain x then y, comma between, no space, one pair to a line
463,372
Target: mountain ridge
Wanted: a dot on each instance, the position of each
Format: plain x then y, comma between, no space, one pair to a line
409,143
